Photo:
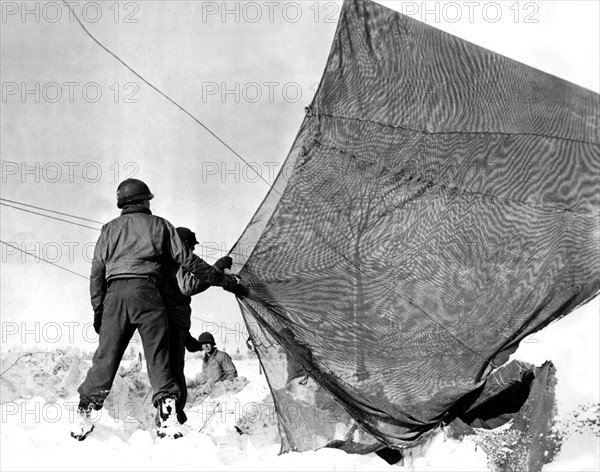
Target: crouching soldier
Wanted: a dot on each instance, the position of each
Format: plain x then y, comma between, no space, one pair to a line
127,262
178,287
216,365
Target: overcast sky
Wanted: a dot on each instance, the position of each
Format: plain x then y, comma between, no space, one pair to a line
75,121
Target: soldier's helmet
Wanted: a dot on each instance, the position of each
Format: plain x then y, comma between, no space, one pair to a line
187,234
206,337
132,190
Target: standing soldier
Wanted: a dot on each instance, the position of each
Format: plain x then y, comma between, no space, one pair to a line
128,260
177,287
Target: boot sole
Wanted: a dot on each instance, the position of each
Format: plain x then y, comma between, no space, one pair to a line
162,434
81,437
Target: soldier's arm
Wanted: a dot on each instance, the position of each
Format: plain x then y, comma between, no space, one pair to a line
98,276
185,257
189,284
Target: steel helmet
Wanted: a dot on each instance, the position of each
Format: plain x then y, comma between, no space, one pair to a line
132,190
187,235
206,337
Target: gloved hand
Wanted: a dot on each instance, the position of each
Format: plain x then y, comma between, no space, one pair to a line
97,322
192,344
224,263
240,291
231,284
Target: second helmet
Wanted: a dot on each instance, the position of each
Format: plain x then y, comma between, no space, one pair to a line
206,337
187,234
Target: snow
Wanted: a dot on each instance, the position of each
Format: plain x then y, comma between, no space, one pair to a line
441,453
41,427
579,453
37,411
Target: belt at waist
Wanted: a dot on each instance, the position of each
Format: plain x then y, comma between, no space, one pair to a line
149,278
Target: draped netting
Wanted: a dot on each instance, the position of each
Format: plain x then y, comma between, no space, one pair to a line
440,203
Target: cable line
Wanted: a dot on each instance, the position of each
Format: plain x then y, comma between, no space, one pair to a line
49,216
52,211
205,247
164,95
45,260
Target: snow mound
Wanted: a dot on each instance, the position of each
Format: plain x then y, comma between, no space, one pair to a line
52,375
39,401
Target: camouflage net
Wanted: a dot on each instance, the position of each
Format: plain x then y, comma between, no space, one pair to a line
440,203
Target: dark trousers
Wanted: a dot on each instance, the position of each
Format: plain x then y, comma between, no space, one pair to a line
129,305
177,337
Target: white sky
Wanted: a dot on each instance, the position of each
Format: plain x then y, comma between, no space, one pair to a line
193,52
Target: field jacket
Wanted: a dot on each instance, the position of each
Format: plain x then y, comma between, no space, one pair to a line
218,366
139,244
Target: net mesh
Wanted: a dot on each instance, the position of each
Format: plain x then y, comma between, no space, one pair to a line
440,203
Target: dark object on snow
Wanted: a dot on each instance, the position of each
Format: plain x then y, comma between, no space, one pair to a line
440,203
497,400
530,441
391,456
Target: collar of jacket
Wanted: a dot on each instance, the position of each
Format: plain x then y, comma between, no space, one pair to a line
211,353
135,209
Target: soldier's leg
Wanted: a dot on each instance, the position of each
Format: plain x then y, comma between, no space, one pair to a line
115,334
177,362
149,316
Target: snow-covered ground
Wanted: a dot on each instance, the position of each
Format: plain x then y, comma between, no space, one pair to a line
573,345
35,436
39,397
